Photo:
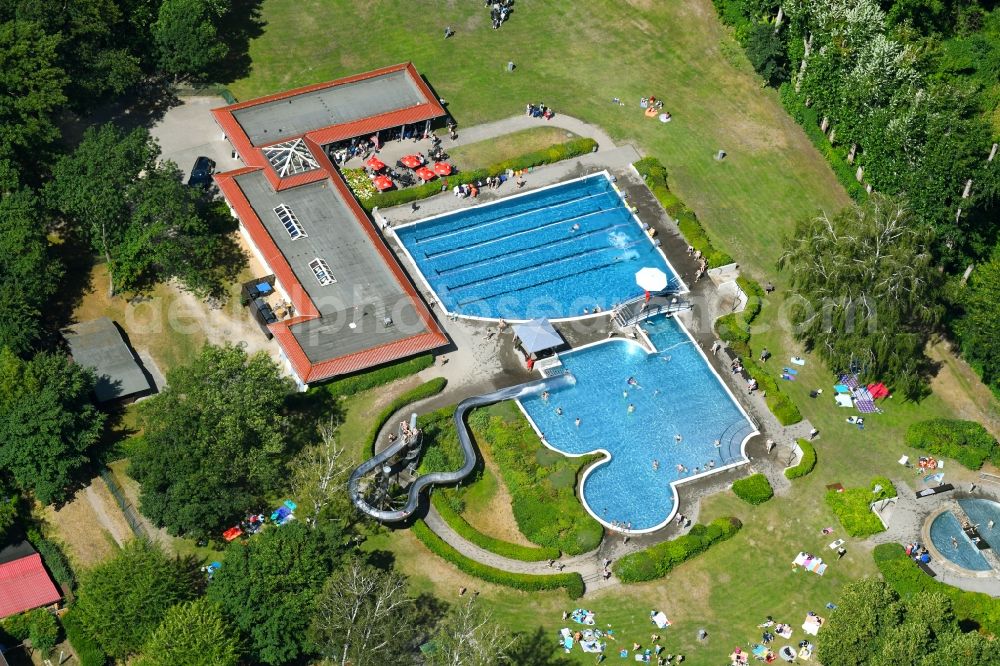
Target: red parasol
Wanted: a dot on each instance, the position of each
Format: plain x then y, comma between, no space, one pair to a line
412,161
425,174
382,182
375,163
442,169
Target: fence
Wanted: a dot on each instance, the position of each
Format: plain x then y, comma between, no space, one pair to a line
130,511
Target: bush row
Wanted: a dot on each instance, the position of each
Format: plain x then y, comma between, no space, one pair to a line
907,580
967,442
655,175
810,122
426,390
806,464
54,559
369,380
659,560
852,507
778,402
754,489
556,153
572,582
500,547
86,648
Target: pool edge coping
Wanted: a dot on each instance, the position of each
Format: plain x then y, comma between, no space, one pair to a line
946,563
607,454
454,315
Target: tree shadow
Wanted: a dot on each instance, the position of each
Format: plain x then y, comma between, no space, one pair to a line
242,24
535,649
73,251
143,106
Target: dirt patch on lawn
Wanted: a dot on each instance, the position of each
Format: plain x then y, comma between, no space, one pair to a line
960,388
89,526
496,518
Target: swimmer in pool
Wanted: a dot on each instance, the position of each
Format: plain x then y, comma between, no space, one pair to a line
558,411
578,422
678,438
545,396
624,394
631,408
632,381
718,443
656,465
954,543
574,228
680,468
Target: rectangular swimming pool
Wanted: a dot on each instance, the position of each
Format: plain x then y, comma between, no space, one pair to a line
554,252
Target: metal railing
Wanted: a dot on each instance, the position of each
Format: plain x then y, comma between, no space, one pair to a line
130,511
637,309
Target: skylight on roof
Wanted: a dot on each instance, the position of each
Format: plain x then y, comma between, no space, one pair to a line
289,221
290,157
322,270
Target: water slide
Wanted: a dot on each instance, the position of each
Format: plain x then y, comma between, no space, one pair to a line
464,440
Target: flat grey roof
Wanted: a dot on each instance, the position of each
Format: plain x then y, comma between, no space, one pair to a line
366,290
344,103
98,344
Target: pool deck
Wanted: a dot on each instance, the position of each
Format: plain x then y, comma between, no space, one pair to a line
480,359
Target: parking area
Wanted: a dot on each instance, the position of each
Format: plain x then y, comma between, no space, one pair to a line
188,131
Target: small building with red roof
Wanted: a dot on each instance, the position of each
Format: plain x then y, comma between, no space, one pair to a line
352,306
24,582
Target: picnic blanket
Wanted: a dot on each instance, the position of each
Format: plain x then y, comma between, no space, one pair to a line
760,650
863,400
844,400
841,388
583,616
784,630
850,380
797,360
806,652
810,563
836,544
812,624
659,619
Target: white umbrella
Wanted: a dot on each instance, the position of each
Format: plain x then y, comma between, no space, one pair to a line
651,279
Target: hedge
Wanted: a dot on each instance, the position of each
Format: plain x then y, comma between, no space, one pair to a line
369,380
38,625
88,652
806,464
777,401
907,580
754,489
852,507
572,582
659,560
54,559
967,442
426,390
500,547
556,153
655,175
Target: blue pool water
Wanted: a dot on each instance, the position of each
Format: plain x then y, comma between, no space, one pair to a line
981,512
966,555
521,257
677,393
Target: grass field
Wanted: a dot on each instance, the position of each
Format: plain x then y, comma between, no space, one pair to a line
486,153
576,57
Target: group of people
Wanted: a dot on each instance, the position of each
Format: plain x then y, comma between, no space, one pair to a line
499,11
918,552
702,262
341,153
736,366
538,111
466,190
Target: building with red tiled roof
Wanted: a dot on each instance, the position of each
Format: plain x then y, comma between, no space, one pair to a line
24,582
354,307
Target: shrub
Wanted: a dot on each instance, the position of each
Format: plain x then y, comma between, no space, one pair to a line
503,548
655,175
426,390
907,580
754,489
369,380
572,582
806,464
88,652
556,153
659,560
967,442
55,561
38,625
853,507
777,401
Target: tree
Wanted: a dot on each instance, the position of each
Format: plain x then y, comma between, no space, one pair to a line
90,185
978,327
187,36
319,477
361,614
121,602
469,636
214,441
267,587
32,95
867,290
195,633
47,422
867,608
767,53
29,274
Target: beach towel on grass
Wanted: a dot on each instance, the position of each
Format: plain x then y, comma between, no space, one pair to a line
863,400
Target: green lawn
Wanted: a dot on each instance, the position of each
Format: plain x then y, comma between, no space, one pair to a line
486,153
575,57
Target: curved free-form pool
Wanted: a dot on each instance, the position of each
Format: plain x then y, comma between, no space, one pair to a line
962,551
674,393
553,252
983,512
